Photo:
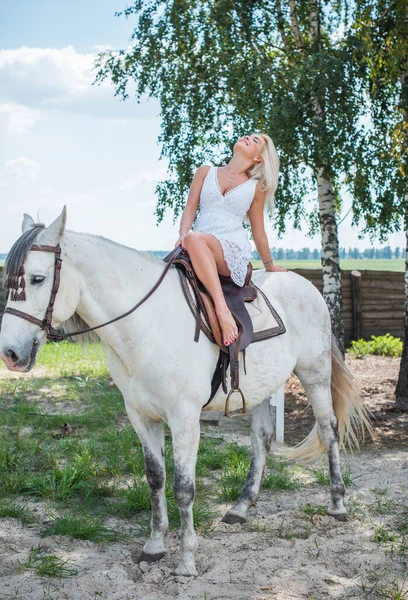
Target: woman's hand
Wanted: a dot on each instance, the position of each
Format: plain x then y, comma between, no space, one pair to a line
271,267
180,241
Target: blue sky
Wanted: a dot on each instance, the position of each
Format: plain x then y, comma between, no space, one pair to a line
65,141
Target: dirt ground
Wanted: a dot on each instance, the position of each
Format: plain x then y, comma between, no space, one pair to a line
281,553
377,378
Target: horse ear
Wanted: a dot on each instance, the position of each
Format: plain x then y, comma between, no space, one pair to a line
52,234
27,223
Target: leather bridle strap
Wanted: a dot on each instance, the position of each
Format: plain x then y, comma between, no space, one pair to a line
46,322
52,334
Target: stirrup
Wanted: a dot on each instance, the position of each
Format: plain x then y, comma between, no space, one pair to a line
226,412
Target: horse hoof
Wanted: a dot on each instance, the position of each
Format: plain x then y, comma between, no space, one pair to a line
343,517
184,571
231,519
144,556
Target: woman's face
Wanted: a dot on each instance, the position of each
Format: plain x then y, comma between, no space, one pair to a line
251,146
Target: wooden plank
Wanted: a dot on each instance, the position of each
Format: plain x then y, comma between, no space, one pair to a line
356,304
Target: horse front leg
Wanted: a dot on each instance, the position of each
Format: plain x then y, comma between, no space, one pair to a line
186,437
151,435
262,427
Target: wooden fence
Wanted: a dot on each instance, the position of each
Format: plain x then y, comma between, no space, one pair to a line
373,301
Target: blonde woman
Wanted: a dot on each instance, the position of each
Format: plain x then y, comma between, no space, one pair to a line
219,243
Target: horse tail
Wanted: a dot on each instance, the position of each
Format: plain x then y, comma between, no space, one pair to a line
352,416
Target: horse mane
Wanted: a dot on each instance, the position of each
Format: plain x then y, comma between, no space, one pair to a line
18,253
75,323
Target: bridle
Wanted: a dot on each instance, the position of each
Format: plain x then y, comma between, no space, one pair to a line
52,333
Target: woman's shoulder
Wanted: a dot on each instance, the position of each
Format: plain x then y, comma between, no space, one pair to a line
203,170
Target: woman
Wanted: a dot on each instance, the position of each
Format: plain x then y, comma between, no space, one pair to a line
219,243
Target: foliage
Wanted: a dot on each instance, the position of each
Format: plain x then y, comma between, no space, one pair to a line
379,43
221,69
382,345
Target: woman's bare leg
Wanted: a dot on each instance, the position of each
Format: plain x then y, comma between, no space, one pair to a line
208,261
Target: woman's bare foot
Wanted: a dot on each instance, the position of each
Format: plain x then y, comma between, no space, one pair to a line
228,326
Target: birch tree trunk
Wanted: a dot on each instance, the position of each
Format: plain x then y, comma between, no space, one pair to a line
330,256
401,391
327,213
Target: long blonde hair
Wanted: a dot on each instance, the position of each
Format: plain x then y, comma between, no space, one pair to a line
267,171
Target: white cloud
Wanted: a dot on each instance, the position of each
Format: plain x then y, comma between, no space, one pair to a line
80,200
145,176
18,118
56,72
22,168
60,78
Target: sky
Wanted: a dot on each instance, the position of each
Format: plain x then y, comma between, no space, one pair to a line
67,142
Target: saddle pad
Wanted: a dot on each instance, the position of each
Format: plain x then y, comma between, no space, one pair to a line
266,321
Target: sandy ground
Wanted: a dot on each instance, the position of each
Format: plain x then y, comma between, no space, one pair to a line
281,553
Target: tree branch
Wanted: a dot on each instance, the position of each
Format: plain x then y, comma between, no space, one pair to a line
295,26
281,26
385,13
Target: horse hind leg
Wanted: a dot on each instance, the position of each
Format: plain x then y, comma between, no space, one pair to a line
262,428
319,396
151,435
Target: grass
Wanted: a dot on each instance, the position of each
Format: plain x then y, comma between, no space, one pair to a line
279,481
392,264
47,565
236,465
83,528
17,510
322,476
96,462
311,510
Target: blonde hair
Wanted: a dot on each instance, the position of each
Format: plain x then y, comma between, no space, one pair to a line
267,171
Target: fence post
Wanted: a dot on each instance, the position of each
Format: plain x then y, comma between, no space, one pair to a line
356,303
277,400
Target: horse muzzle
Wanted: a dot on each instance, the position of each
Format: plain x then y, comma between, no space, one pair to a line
20,359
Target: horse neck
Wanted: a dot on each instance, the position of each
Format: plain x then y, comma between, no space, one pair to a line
112,279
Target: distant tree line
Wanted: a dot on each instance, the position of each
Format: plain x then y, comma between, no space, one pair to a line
315,254
351,253
308,254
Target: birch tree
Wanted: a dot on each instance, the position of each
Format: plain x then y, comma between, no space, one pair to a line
381,31
222,68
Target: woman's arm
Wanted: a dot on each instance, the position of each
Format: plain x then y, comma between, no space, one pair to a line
256,218
192,203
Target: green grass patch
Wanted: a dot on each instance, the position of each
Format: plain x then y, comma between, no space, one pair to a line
279,481
15,510
137,497
348,264
383,536
322,476
47,565
83,528
311,510
236,465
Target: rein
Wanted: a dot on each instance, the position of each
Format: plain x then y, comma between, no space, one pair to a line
52,333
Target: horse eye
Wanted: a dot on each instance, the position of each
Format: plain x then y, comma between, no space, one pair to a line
37,279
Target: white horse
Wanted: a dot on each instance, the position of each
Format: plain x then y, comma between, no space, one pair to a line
165,376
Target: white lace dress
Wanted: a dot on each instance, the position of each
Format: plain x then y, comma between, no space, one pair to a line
222,216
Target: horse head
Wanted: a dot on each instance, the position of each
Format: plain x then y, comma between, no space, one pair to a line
28,281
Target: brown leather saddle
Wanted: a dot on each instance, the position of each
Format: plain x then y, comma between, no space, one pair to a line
202,305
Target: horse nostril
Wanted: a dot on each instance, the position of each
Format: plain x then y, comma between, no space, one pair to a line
11,354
